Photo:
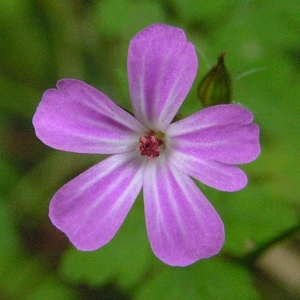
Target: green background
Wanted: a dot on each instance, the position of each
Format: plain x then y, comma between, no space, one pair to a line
42,41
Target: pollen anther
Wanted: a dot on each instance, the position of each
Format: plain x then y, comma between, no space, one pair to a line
150,145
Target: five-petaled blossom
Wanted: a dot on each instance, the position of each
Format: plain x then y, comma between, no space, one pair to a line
148,152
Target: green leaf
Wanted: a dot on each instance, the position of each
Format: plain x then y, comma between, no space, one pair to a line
34,190
51,288
272,95
21,276
126,18
10,243
207,279
125,258
65,35
18,98
24,52
13,9
252,217
205,10
8,175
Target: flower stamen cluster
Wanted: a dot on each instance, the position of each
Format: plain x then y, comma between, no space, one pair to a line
150,145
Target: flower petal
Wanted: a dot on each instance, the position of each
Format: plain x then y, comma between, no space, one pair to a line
76,117
210,117
91,208
206,143
229,144
162,66
182,225
227,178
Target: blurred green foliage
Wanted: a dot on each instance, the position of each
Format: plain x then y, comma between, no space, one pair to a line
42,41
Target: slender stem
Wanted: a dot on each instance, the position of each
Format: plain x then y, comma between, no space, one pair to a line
250,257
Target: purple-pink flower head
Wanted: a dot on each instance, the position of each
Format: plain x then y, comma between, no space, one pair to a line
147,152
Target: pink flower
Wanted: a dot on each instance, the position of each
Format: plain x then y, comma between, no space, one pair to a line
147,151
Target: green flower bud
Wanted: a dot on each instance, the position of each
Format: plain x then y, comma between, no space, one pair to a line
215,87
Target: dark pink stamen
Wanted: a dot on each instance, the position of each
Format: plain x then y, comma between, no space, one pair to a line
149,145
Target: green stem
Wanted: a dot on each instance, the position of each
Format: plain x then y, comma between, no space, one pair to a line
250,258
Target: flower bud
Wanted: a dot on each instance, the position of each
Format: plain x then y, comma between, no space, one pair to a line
215,87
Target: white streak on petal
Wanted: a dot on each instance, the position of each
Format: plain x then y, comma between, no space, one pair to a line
182,225
91,208
78,118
